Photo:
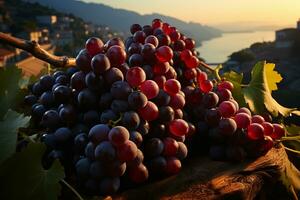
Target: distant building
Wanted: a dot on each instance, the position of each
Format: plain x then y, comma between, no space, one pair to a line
285,37
46,20
63,37
6,57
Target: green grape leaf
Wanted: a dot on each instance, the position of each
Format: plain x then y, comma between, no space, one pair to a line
292,132
23,176
8,135
236,80
10,77
258,94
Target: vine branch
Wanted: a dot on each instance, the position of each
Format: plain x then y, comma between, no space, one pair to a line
35,49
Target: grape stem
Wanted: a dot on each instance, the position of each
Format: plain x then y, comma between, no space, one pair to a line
72,189
35,49
203,64
290,138
292,150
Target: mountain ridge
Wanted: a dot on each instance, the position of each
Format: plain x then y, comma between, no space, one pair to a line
121,19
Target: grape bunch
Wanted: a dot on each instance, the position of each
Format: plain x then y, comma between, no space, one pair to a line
129,112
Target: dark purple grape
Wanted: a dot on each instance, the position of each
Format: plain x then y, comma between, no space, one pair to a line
136,137
108,115
83,168
116,168
105,151
143,127
62,80
119,106
78,81
227,127
135,60
147,29
87,99
148,71
83,60
62,135
47,82
97,170
210,100
80,141
50,119
105,101
47,99
112,75
212,117
99,133
30,99
91,118
37,89
120,90
131,120
100,64
166,114
89,151
154,147
58,73
134,28
162,99
109,185
62,94
157,165
93,82
137,100
67,114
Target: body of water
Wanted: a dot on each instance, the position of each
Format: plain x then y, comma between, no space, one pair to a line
218,49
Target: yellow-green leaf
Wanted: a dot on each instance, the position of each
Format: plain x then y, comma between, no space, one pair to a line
273,77
258,94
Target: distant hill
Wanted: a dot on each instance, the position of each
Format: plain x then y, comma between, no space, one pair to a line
121,19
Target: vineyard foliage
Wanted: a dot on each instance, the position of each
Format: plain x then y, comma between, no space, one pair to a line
22,174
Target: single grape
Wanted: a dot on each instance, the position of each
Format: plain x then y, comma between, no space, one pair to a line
242,120
139,36
166,114
109,185
87,99
212,116
119,106
112,75
192,62
46,82
80,141
100,64
151,39
138,174
51,119
94,46
157,23
99,133
30,99
255,131
244,110
82,168
201,77
136,137
120,90
172,86
62,135
131,120
116,55
227,109
227,127
173,165
154,147
161,68
190,43
162,99
210,100
134,28
135,60
177,101
83,60
114,42
47,99
135,76
225,85
62,94
224,95
105,151
178,127
116,168
164,54
127,151
257,119
149,112
149,88
157,165
170,147
206,86
179,45
78,81
268,128
278,132
137,100
118,135
182,151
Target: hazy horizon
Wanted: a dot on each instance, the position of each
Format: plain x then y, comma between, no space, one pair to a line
217,12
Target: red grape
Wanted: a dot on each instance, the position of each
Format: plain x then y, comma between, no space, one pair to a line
157,23
242,120
113,42
190,73
179,127
118,135
149,88
139,37
172,86
189,43
192,62
152,40
255,131
160,80
227,126
161,68
166,28
127,151
225,85
177,101
94,46
224,95
100,63
116,55
149,112
134,28
278,132
185,55
257,119
268,128
201,77
227,109
174,35
206,86
135,76
164,54
244,110
173,165
170,147
138,174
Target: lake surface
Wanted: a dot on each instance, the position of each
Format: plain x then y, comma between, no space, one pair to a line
218,49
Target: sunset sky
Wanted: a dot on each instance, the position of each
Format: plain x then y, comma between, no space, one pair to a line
275,12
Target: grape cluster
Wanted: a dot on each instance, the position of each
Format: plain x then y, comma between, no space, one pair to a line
127,111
